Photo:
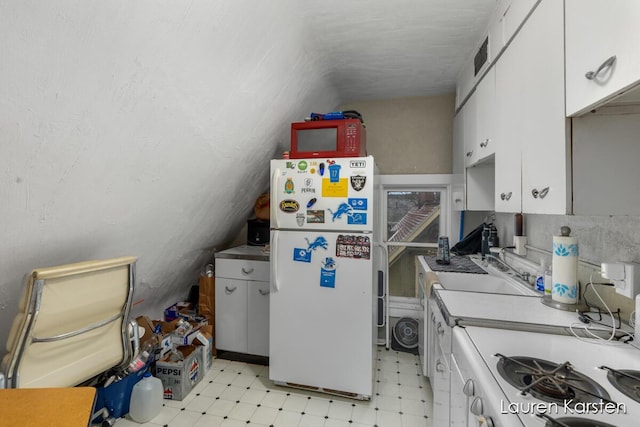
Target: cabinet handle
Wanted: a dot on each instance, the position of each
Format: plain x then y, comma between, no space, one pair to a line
469,388
263,292
230,291
247,272
476,406
484,143
540,193
592,75
469,153
439,366
440,329
506,196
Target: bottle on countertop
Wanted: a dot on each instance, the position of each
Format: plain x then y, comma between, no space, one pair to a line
443,256
494,241
548,281
484,246
540,276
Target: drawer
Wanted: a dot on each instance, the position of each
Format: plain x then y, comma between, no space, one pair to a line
242,269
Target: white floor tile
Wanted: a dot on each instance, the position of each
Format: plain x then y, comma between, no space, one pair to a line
253,396
287,419
413,407
221,407
167,413
336,423
319,407
233,393
413,420
242,411
186,419
295,403
388,419
199,404
264,415
230,422
311,421
365,416
274,400
340,411
244,380
213,389
389,403
208,420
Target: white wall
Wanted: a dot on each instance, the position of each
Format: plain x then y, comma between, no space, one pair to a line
141,128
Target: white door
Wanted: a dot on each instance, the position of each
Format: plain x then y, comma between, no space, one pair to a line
231,315
334,194
258,318
321,310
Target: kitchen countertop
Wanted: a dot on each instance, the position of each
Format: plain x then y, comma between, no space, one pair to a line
256,253
518,312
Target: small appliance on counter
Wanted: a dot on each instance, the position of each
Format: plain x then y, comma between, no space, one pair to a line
257,232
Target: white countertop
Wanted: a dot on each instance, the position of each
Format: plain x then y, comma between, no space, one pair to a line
495,310
258,253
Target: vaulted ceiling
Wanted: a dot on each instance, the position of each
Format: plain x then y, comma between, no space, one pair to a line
145,128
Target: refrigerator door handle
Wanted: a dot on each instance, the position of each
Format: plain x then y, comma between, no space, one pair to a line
274,265
274,185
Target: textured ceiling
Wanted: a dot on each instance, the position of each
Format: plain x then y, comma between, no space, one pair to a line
388,49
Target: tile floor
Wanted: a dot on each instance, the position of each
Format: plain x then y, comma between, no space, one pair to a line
235,394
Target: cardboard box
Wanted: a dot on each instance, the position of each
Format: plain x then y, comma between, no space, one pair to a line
179,378
173,312
204,341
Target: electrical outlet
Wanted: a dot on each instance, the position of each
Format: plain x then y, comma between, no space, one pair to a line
624,276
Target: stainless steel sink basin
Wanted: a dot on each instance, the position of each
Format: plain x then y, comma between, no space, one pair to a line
482,283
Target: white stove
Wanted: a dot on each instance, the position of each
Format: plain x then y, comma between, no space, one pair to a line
495,379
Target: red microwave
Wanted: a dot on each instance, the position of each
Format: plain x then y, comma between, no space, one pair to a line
328,138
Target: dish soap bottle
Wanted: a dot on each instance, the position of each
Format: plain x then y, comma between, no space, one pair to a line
548,281
540,276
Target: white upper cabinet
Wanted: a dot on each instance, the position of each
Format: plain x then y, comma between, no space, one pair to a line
514,15
603,51
508,159
484,145
546,170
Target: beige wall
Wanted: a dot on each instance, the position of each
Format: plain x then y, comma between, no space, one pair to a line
409,135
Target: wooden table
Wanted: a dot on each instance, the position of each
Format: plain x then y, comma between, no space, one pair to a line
63,407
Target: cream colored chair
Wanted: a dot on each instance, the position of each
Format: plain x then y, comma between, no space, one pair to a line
72,324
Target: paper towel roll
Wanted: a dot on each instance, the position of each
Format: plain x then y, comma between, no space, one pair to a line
564,286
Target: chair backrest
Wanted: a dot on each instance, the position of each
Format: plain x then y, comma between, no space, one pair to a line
71,324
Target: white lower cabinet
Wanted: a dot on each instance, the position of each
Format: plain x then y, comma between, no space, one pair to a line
242,306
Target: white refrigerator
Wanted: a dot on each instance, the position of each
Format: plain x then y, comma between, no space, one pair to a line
322,330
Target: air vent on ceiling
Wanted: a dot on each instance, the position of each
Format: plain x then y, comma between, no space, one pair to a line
481,57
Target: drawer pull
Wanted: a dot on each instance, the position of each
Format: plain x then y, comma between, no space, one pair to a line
593,75
469,153
506,196
540,193
476,407
484,143
440,329
263,292
229,291
469,388
247,272
440,366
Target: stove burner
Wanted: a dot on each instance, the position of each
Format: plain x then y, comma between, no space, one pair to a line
572,422
550,382
626,381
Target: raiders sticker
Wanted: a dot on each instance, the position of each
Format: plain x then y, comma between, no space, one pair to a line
358,182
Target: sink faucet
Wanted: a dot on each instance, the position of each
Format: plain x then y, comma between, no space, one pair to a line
523,275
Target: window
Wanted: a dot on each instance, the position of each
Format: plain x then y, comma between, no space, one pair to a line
414,215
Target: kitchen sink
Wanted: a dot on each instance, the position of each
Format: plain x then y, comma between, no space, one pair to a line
482,283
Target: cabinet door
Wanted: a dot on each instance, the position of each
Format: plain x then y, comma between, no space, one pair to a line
441,389
597,30
508,161
470,130
545,160
231,315
258,318
484,144
458,400
458,191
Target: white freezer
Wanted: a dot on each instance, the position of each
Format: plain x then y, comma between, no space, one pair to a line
322,311
322,194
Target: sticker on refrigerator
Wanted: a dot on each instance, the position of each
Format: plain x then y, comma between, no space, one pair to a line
343,209
311,202
288,186
358,182
335,189
301,255
320,242
328,273
308,186
358,204
353,246
300,219
357,219
321,169
302,165
315,216
289,206
354,164
334,172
